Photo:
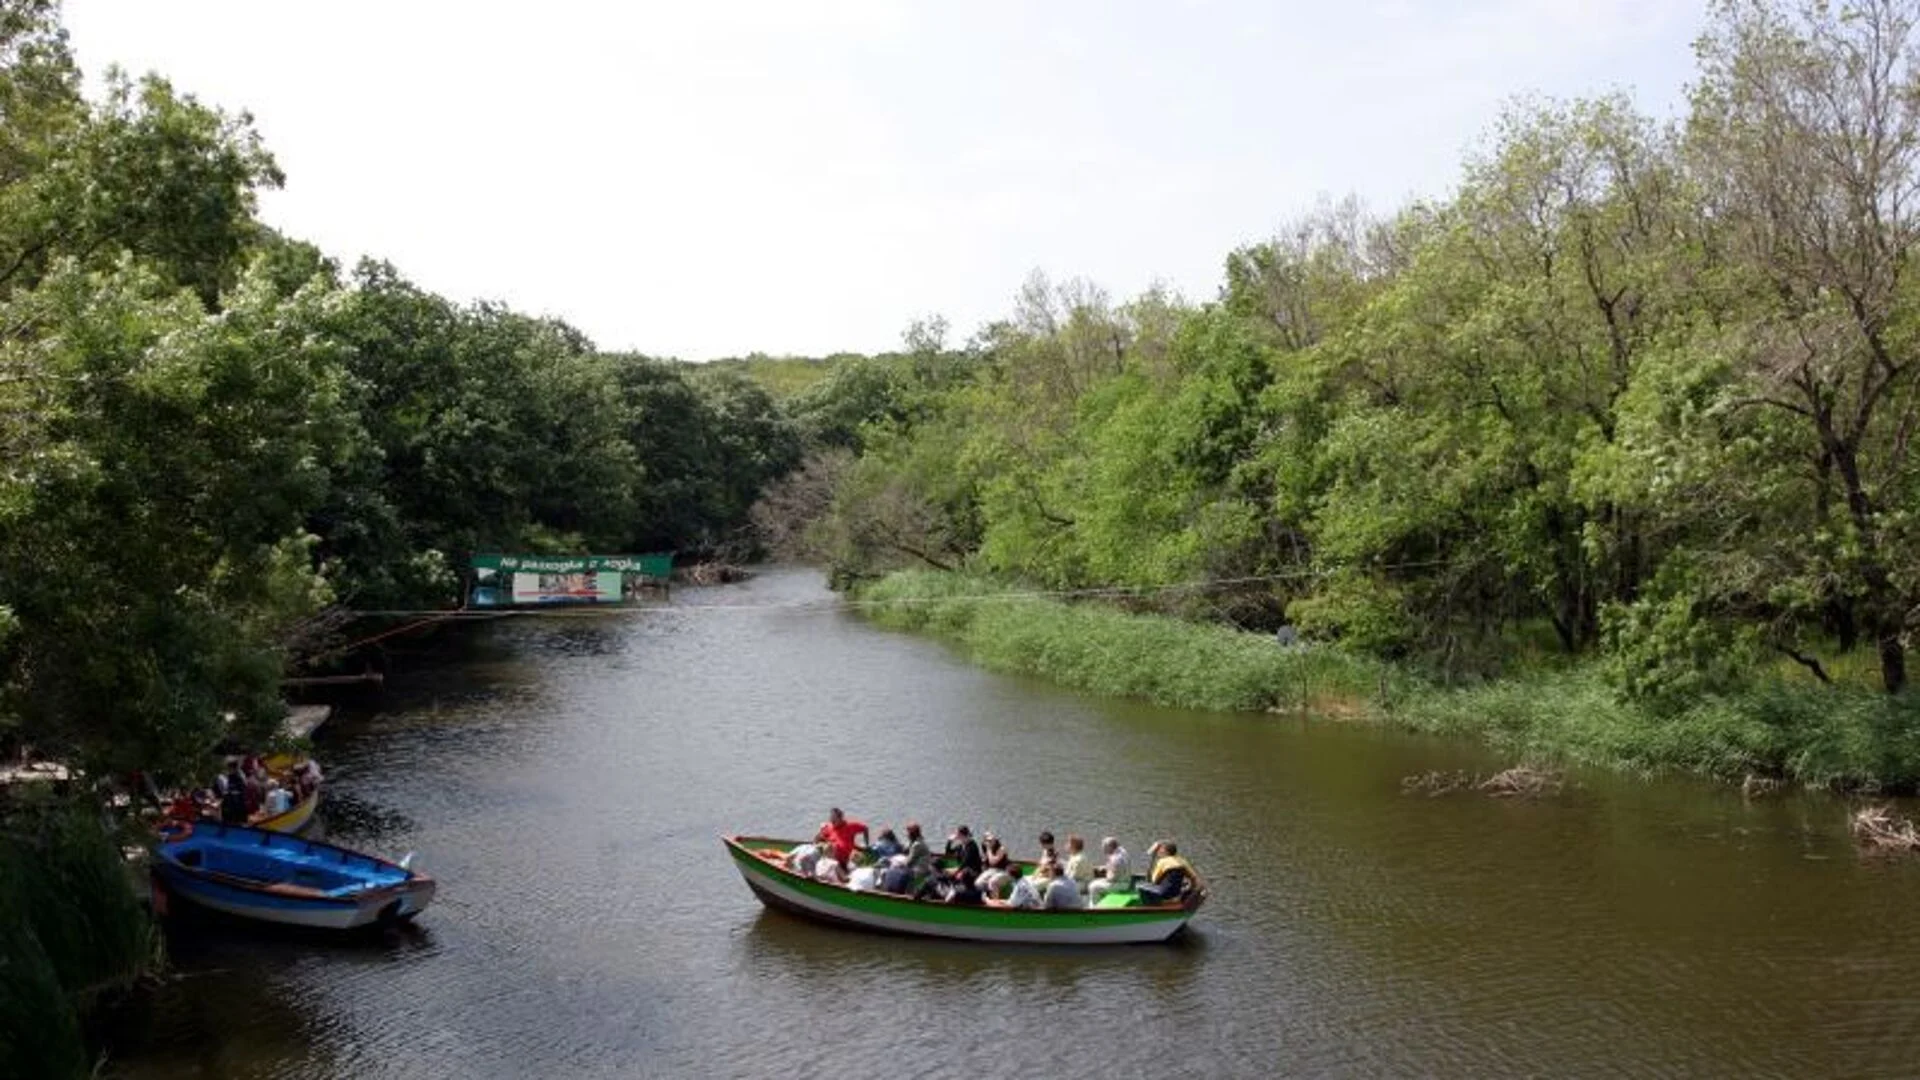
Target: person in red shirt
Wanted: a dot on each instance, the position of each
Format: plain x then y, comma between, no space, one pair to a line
840,832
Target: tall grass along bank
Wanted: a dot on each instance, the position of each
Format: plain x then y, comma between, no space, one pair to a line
73,937
1836,737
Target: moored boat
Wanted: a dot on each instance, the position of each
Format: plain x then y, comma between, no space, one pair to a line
294,818
290,820
274,877
757,857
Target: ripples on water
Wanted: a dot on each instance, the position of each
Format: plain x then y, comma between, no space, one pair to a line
568,785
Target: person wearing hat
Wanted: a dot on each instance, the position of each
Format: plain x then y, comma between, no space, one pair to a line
995,857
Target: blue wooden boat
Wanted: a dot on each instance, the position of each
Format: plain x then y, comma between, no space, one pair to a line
274,877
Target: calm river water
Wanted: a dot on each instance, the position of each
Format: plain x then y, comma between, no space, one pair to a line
567,782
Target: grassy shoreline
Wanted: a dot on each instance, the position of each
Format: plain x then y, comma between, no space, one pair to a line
1831,737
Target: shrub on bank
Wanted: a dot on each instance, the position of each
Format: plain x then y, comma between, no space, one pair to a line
72,934
1834,737
1097,648
1840,737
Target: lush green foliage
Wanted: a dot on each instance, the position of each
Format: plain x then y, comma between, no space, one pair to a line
1851,738
212,433
1651,387
1769,724
71,932
784,377
1095,647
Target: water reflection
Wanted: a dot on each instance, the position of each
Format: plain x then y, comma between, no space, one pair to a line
567,778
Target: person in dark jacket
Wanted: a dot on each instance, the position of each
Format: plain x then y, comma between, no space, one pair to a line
233,796
964,850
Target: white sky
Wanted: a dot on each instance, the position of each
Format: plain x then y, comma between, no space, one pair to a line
704,178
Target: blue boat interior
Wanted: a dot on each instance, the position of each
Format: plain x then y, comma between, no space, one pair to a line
286,861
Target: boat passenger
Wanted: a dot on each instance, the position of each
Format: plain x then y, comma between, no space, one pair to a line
802,859
1172,875
184,807
885,846
277,799
233,796
841,831
964,850
1024,894
897,878
961,890
996,860
1060,893
1079,865
919,855
1048,854
1115,876
256,779
830,870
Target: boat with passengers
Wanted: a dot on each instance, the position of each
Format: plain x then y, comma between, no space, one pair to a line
1121,918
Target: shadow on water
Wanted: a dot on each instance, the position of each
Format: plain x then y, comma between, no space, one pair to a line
194,935
773,933
776,944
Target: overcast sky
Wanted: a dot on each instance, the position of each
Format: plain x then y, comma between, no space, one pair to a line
706,178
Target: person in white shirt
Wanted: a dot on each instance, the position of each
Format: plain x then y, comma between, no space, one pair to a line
1024,895
828,869
277,799
1115,876
801,859
1061,893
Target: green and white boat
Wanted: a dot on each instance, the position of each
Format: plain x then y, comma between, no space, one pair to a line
777,887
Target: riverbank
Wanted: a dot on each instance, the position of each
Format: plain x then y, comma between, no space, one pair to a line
1841,738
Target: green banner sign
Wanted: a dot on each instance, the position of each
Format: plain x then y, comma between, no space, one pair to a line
657,565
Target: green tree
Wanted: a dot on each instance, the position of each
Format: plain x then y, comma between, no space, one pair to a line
157,551
1805,133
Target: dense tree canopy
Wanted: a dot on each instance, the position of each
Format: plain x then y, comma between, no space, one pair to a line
1647,387
211,433
1642,390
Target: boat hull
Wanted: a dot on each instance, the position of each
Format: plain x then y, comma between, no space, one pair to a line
400,894
294,818
877,912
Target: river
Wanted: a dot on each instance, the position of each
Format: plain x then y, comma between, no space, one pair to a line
567,780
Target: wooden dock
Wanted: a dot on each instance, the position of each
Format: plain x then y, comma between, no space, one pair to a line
303,720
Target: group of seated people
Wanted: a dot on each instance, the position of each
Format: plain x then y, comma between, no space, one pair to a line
981,872
247,791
